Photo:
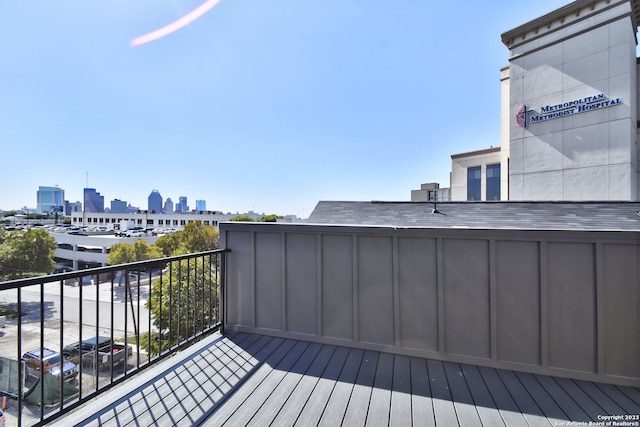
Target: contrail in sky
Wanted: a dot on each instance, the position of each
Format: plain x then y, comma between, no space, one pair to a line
175,25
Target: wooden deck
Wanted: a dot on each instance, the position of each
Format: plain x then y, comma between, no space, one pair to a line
245,379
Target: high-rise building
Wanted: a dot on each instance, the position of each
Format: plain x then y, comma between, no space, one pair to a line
168,205
201,205
72,207
50,199
182,205
154,202
118,205
93,201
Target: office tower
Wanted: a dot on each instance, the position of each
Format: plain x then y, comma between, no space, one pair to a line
154,202
168,205
93,201
50,199
118,205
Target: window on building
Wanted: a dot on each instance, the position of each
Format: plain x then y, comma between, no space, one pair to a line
493,182
473,183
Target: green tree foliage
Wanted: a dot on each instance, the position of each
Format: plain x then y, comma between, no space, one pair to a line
169,243
185,305
26,253
180,307
122,253
269,218
242,218
195,237
199,238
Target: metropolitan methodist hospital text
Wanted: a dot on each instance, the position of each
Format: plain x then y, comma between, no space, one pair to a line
574,107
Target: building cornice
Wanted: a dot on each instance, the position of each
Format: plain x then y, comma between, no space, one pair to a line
575,11
476,153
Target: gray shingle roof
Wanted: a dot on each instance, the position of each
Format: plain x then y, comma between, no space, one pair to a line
622,216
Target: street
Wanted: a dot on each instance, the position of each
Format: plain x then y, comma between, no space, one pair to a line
95,308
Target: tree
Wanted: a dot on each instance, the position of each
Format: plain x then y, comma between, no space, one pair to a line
185,305
122,253
242,218
195,237
180,306
169,243
26,253
269,218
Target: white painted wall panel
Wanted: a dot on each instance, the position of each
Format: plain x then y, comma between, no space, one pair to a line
587,183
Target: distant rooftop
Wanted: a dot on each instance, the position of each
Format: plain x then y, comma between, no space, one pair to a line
615,216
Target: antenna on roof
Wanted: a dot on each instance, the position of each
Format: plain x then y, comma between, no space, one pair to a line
435,203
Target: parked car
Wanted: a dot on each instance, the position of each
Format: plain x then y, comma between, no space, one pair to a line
135,233
51,362
130,232
100,351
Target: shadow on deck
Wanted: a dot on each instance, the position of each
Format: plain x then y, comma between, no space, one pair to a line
248,379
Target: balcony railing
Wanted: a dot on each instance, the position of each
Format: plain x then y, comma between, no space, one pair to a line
139,313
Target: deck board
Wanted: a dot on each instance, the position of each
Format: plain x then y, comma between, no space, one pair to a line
620,397
608,405
281,392
336,407
542,398
486,407
315,405
591,407
292,408
421,401
463,403
248,379
380,401
443,407
358,407
526,403
241,407
566,402
504,401
401,392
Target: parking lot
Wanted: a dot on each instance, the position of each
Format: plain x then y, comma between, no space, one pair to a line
32,337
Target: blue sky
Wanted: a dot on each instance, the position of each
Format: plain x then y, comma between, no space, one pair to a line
259,105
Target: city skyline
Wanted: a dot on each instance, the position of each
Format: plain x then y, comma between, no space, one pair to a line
155,201
267,107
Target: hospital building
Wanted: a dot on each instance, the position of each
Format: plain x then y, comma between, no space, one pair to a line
569,116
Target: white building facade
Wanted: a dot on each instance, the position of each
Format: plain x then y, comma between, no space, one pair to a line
569,110
147,220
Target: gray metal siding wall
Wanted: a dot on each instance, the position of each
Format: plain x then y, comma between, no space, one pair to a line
562,303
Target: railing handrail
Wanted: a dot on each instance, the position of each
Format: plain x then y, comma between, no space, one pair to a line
36,280
167,271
